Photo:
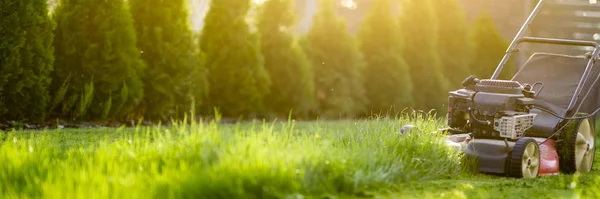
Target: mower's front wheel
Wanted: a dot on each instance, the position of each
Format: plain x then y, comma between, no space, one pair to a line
524,159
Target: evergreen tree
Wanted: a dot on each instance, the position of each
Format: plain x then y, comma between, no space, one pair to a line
98,65
387,78
174,71
420,40
292,87
26,58
337,63
489,49
454,40
237,77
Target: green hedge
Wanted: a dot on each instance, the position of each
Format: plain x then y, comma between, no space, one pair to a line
387,77
454,40
338,64
117,59
490,47
293,87
26,59
98,65
420,33
175,73
237,77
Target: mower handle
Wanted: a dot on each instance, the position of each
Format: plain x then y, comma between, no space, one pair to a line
519,39
588,68
558,41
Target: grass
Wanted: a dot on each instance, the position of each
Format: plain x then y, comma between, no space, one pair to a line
344,159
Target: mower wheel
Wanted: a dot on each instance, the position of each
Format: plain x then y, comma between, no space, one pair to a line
577,147
524,159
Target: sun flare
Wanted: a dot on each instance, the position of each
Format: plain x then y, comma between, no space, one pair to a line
350,4
258,1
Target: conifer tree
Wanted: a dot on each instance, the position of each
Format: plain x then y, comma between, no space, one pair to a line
490,47
420,40
337,64
26,59
387,77
174,70
237,78
98,65
292,87
454,40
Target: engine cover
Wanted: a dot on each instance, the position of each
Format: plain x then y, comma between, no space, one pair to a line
489,104
499,87
491,109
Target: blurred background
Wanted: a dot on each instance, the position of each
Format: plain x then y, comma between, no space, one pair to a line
159,60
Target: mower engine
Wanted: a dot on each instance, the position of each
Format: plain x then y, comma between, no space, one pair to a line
491,109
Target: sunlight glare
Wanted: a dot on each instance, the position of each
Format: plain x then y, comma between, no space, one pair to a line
350,4
258,2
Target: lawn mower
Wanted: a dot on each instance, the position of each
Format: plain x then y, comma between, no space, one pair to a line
540,122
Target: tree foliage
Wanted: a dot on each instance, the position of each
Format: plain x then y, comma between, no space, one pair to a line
420,35
237,77
26,59
292,87
387,78
98,65
454,40
120,59
489,49
174,73
337,63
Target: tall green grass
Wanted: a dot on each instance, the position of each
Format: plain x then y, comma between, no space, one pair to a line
212,160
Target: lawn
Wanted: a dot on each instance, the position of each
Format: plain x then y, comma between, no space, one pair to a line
342,159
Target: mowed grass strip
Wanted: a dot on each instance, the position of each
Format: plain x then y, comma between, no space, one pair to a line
211,160
491,187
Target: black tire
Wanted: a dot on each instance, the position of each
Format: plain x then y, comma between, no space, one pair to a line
524,159
567,147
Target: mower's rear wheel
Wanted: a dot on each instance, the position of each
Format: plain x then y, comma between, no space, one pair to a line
525,159
577,147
